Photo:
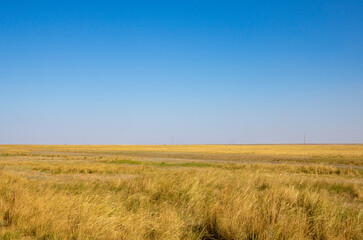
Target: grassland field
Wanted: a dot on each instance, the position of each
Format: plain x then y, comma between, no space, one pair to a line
181,192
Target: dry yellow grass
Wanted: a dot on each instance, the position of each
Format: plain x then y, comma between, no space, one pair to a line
333,154
181,192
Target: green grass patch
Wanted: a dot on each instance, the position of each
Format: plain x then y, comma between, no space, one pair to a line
164,164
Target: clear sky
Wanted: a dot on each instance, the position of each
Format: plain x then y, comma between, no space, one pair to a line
140,72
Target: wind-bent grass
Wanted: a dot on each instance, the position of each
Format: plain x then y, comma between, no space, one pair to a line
130,192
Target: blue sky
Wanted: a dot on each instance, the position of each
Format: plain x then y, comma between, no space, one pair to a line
140,72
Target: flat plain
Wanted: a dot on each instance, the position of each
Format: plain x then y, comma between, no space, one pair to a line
181,192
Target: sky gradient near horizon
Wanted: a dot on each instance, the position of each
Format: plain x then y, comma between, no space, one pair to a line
140,72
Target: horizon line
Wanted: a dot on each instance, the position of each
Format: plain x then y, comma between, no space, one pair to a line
42,144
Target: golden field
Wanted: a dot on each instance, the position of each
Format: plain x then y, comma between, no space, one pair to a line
181,192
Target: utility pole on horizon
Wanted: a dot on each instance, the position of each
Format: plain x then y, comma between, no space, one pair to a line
304,138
